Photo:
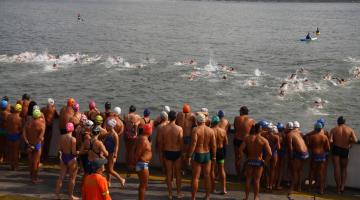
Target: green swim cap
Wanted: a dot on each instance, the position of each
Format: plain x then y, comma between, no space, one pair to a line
215,120
98,119
36,114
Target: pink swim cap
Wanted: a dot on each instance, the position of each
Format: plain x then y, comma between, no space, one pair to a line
92,104
76,107
69,127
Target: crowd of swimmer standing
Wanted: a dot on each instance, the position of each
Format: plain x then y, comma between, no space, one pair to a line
185,141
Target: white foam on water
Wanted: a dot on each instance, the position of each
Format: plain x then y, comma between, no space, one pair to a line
352,60
257,72
315,111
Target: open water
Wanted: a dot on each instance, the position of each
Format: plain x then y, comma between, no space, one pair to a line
135,52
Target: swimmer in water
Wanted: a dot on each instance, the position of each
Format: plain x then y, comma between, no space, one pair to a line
340,81
319,103
293,76
54,65
224,77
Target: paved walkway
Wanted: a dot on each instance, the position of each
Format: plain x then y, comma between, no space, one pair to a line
17,183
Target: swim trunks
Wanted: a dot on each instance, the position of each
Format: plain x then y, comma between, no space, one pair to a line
339,151
237,142
220,155
66,158
319,157
201,158
301,155
187,139
13,137
140,166
172,155
255,163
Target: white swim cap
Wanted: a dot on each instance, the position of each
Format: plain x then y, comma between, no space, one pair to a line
204,110
111,123
290,125
163,115
88,123
200,118
117,110
167,109
36,107
317,100
296,124
51,101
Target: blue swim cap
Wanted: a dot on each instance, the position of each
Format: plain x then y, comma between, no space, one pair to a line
4,104
280,126
322,121
263,123
318,125
221,114
146,112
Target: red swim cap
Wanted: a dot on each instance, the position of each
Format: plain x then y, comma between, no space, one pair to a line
186,108
92,104
147,129
70,102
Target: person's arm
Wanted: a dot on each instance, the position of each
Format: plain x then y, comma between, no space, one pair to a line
103,149
103,187
116,141
213,145
181,135
331,136
327,144
353,138
121,130
268,151
241,149
226,140
139,149
42,133
278,142
193,143
73,147
290,146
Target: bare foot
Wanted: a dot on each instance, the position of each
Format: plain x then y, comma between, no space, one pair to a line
180,195
72,197
122,183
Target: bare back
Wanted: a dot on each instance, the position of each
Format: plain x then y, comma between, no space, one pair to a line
14,123
49,114
172,137
66,144
319,143
255,146
242,125
343,136
66,114
186,121
221,137
203,138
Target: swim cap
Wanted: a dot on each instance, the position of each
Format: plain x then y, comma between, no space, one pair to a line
215,120
18,107
263,124
36,113
95,130
51,101
132,108
204,110
76,107
92,105
163,115
26,97
147,129
318,126
274,129
289,125
322,121
4,104
317,100
167,109
280,126
117,111
98,119
70,102
221,114
36,107
146,112
69,127
200,118
108,105
83,118
186,108
296,124
111,122
88,123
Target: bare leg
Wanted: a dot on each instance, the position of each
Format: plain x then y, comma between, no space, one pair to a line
212,177
322,174
36,156
222,173
59,182
72,166
237,166
337,172
169,176
257,172
196,170
279,172
143,177
249,177
274,163
112,172
206,169
343,165
178,177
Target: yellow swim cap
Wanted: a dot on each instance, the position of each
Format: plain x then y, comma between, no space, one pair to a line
18,107
36,114
98,119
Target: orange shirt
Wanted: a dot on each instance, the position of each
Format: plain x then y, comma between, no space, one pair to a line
95,187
